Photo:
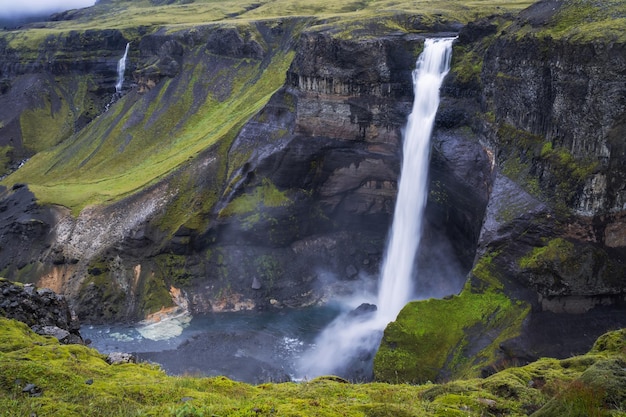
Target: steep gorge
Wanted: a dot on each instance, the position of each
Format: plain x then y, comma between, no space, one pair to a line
280,178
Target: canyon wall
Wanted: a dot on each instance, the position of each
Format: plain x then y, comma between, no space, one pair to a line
291,204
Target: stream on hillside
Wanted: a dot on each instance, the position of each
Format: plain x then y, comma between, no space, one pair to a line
253,347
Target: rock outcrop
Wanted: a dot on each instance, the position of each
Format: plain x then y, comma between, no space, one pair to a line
46,312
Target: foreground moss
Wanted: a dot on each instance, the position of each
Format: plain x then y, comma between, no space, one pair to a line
76,381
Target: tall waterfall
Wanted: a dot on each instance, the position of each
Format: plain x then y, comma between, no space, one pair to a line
121,68
343,345
396,279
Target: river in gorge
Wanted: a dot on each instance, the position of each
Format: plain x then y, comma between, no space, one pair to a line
253,347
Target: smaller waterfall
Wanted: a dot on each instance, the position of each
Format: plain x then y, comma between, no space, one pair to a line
121,68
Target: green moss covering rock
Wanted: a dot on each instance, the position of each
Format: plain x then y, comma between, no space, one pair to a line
252,204
458,336
154,295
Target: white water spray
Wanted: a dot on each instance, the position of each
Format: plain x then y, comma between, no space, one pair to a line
121,68
355,338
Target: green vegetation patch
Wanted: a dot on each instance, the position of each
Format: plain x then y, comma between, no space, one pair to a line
431,335
125,15
466,65
173,269
544,170
5,158
570,171
521,149
265,195
446,336
43,127
154,295
101,296
589,20
555,251
196,195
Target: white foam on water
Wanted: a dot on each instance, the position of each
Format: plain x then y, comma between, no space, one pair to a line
165,329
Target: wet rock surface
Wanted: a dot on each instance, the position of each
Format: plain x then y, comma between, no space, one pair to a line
116,358
25,227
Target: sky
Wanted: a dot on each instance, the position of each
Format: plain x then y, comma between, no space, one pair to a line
21,8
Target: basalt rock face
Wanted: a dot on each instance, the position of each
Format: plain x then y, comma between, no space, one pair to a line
26,226
322,168
558,133
44,311
552,123
555,220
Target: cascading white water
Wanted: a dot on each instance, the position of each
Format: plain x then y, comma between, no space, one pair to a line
347,338
396,288
121,68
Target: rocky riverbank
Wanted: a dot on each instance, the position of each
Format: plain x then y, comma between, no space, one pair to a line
44,311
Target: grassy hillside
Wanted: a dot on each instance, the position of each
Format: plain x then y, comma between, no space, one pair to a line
143,137
584,21
125,14
72,380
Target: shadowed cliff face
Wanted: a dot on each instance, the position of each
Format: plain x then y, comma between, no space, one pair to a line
555,135
319,180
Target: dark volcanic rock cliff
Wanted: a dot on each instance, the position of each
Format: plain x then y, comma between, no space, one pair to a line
558,134
312,177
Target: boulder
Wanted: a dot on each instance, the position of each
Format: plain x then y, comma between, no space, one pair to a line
116,358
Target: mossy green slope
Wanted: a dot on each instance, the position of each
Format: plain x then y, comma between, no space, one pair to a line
143,137
455,337
122,14
585,21
575,20
75,380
